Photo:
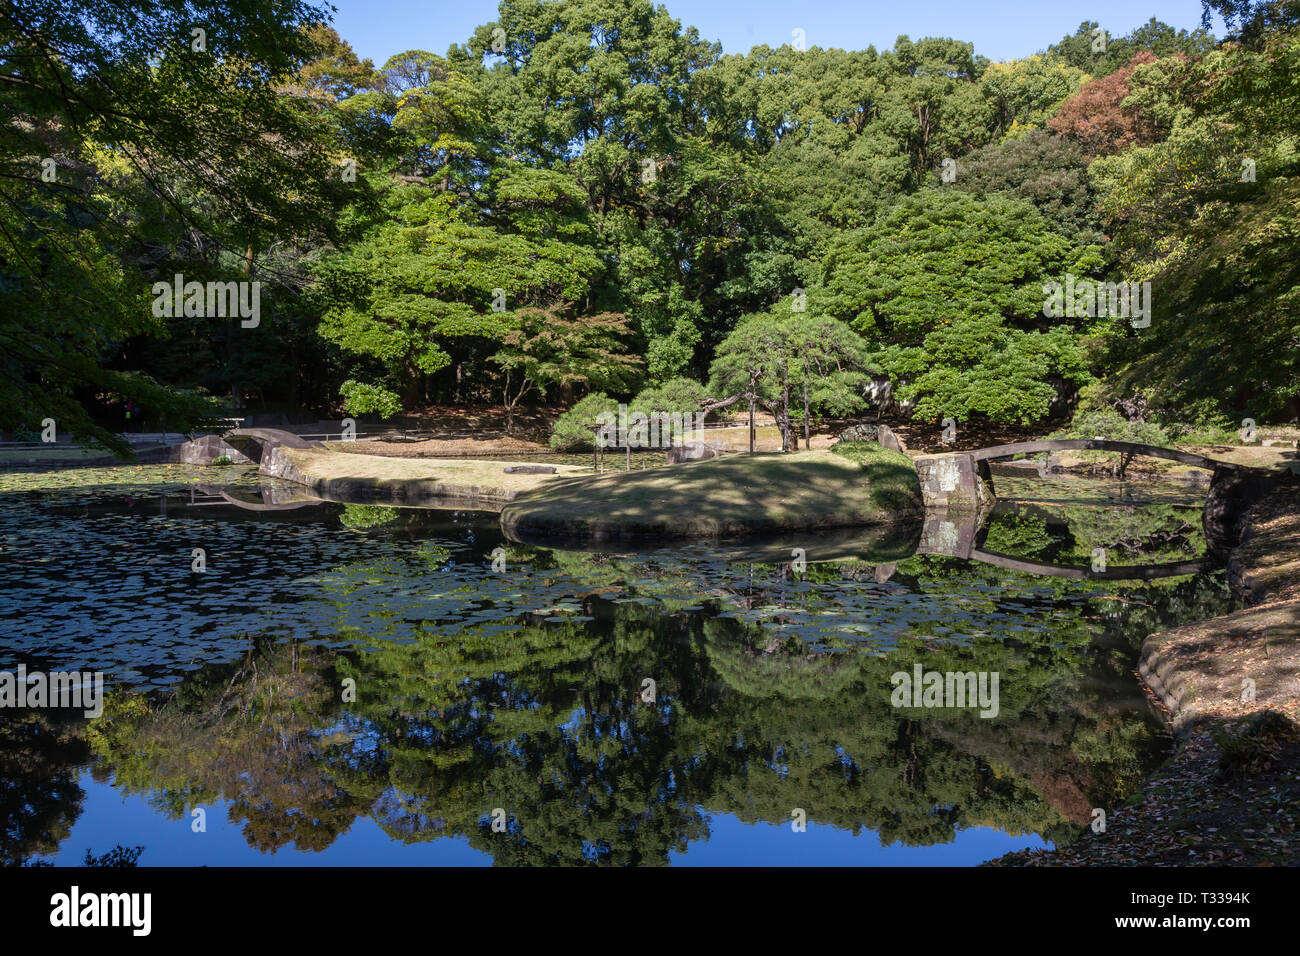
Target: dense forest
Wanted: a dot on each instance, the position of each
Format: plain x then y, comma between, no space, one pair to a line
589,199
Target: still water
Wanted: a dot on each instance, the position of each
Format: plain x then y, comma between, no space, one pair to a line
362,684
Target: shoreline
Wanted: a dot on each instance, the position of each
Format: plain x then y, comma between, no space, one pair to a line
1229,793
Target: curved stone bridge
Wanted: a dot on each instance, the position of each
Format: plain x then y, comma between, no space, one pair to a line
995,452
957,534
963,480
240,445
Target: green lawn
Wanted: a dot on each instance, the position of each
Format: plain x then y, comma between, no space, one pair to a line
738,494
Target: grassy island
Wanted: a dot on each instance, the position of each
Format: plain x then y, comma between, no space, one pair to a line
853,484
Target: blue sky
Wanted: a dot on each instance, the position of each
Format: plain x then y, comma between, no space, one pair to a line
1000,29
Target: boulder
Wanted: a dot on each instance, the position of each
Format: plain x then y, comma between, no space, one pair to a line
881,434
860,433
889,440
691,451
529,469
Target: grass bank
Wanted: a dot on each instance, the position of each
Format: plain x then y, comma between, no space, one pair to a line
350,476
765,493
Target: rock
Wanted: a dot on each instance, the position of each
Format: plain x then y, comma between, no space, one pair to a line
529,469
889,440
860,433
881,434
691,451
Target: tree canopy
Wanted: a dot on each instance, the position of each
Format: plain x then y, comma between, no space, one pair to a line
604,166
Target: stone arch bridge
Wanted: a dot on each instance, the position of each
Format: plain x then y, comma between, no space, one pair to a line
963,481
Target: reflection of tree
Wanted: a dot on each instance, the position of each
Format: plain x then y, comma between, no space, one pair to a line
1019,535
1149,533
755,663
252,734
41,756
360,517
543,718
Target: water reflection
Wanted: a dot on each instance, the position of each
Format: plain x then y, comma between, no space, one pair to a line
344,666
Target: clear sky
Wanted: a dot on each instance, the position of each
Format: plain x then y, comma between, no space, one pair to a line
1000,29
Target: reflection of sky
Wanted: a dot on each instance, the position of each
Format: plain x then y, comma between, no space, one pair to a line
734,843
108,818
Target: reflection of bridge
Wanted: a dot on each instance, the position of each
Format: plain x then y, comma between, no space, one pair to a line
265,498
240,445
963,481
955,535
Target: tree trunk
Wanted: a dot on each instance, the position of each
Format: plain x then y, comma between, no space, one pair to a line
510,405
411,387
807,443
783,420
751,424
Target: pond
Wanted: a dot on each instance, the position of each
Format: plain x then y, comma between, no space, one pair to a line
359,684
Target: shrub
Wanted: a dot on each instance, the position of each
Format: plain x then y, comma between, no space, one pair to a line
1104,422
575,430
360,398
1095,420
677,396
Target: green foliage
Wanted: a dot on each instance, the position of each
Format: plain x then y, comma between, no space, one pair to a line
947,288
1021,536
609,162
1082,50
123,138
1043,168
548,347
360,398
1219,247
1022,94
576,429
361,517
777,357
677,396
